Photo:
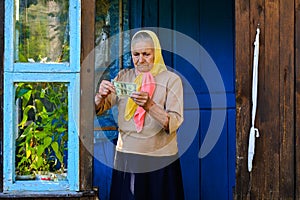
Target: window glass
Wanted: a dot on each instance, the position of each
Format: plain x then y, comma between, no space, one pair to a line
41,31
41,142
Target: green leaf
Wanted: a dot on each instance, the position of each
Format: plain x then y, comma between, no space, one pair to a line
22,161
28,153
40,150
61,129
39,105
40,135
28,130
33,166
25,116
59,156
54,146
26,98
40,162
42,95
21,92
47,141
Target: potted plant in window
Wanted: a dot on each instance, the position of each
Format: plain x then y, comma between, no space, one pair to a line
42,138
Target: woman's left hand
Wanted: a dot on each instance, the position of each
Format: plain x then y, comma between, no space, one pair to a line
142,99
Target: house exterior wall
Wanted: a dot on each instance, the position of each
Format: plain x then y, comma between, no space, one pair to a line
211,27
276,165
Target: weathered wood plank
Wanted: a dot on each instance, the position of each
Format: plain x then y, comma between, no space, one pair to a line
269,100
278,116
297,96
90,195
242,59
87,94
257,15
286,81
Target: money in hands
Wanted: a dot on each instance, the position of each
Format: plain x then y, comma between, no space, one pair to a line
124,88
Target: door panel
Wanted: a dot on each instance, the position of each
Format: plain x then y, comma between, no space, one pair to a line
210,24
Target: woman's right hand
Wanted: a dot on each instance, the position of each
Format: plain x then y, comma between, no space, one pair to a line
105,88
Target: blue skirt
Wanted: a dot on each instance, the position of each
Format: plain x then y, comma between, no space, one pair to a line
138,177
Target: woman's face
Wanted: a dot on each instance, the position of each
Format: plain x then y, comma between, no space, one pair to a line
142,52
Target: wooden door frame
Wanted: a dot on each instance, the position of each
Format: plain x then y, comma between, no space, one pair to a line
87,104
297,96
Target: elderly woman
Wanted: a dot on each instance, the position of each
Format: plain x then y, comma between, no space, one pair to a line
146,161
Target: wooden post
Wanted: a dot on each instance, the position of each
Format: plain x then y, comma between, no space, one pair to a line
243,95
87,94
297,96
287,100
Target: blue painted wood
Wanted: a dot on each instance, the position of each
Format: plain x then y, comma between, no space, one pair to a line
150,13
217,37
186,15
165,13
75,34
210,25
8,41
27,72
165,20
214,167
10,132
42,67
73,132
188,144
103,151
231,152
135,16
74,23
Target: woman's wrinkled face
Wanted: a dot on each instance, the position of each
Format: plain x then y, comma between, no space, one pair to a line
142,52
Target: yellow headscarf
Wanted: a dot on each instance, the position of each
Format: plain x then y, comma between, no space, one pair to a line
158,66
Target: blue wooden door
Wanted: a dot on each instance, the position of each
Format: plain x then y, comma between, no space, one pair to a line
211,25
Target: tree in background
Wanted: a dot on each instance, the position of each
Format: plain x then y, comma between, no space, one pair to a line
42,28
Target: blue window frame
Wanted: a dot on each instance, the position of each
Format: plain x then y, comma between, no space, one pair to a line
61,72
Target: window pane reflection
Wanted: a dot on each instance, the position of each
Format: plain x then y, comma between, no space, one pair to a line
41,31
42,131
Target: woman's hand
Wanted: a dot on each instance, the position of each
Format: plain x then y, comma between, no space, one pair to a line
105,88
142,99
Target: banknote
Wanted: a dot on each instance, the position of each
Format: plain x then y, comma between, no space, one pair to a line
124,88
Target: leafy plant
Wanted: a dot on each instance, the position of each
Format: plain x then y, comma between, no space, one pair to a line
43,31
42,137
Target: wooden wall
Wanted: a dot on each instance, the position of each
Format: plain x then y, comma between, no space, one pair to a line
276,166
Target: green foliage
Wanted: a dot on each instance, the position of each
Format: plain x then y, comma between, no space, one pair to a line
43,127
42,31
